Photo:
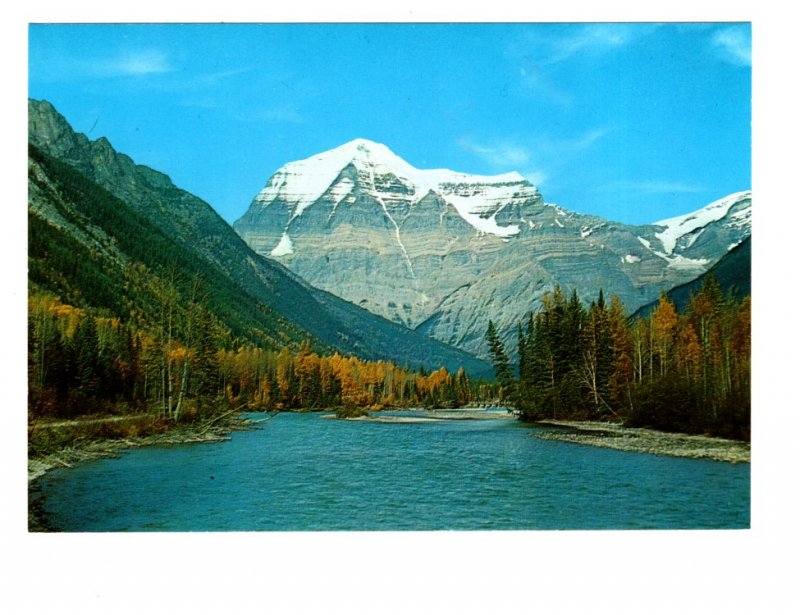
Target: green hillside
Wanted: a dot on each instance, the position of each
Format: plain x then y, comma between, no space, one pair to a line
93,251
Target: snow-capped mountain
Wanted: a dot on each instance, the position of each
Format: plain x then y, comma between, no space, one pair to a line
443,251
363,166
732,213
365,169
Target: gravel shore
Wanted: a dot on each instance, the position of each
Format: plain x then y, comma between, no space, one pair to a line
614,435
431,416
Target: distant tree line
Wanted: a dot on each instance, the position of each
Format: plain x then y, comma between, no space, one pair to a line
266,379
179,362
685,372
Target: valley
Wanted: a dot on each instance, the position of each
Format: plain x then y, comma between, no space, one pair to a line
397,312
359,284
124,266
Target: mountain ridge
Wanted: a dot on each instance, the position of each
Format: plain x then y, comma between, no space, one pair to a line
301,183
443,256
198,229
732,273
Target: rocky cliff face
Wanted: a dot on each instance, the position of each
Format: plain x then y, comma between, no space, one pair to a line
442,252
367,226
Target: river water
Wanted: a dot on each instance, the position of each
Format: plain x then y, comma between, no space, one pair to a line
299,472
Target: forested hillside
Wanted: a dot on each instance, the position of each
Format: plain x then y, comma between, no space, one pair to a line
686,371
122,318
93,251
241,279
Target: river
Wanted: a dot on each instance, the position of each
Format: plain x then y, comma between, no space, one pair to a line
299,472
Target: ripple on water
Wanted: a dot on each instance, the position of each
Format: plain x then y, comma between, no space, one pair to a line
300,472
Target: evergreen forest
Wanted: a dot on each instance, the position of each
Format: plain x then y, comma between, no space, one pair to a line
687,372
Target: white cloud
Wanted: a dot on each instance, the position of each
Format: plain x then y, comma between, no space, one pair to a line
140,63
510,155
537,160
591,38
560,148
548,45
504,155
536,176
125,64
544,46
579,143
734,45
130,64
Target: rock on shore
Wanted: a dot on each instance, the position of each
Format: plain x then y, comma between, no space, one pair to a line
616,436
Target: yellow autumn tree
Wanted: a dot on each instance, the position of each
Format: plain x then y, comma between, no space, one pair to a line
622,370
663,326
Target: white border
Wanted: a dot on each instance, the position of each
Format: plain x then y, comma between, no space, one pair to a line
481,572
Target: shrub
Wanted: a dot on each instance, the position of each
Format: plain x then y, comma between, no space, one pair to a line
350,412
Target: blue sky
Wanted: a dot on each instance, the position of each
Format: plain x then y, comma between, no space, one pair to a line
632,122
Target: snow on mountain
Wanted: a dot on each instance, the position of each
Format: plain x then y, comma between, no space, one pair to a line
695,222
477,198
438,251
284,247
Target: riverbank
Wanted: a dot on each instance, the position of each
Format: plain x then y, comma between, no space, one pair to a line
385,419
429,416
639,440
215,430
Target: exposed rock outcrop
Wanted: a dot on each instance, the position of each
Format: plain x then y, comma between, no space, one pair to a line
443,252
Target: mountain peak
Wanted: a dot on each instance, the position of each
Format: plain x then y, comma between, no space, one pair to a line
365,145
361,152
386,176
736,208
365,150
436,250
47,127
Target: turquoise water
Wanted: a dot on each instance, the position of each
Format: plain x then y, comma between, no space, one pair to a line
302,472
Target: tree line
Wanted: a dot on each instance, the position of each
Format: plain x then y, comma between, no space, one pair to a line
181,363
674,371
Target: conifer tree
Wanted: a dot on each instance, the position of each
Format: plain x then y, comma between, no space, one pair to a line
207,363
502,367
525,385
86,354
